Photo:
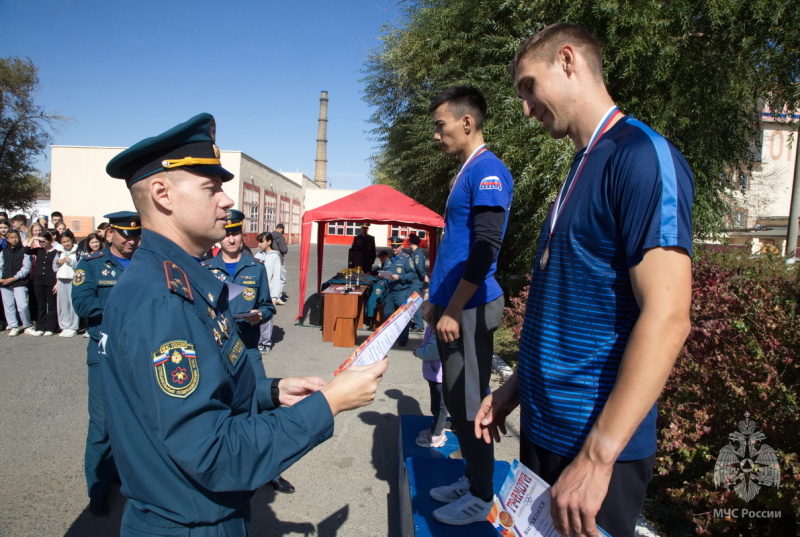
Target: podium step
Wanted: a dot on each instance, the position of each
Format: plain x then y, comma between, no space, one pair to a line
421,469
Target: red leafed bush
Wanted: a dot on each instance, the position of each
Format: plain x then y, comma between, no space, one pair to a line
514,315
741,358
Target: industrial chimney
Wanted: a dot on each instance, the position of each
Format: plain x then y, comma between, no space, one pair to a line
321,169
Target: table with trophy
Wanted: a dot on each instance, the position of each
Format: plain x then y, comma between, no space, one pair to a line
343,310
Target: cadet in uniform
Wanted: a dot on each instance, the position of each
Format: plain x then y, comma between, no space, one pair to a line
190,441
94,278
376,295
400,284
233,265
418,257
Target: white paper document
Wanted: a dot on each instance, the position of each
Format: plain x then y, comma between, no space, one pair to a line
378,344
522,508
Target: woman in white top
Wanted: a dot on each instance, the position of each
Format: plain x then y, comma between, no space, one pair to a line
64,265
272,263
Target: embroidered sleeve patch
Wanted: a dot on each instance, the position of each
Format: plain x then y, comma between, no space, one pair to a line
491,183
176,368
79,277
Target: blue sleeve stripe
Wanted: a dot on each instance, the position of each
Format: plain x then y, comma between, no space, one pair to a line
669,185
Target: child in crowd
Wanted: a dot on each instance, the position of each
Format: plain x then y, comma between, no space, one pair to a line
90,245
432,372
15,264
272,263
5,226
64,265
44,284
34,232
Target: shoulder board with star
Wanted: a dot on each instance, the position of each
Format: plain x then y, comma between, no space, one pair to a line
206,263
258,260
177,282
96,255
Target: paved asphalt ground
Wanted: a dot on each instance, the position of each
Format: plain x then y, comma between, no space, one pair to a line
346,487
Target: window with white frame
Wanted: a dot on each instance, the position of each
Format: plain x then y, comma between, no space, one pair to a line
296,216
250,208
336,228
284,216
270,210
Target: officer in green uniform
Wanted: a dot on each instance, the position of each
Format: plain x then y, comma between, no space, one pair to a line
94,278
250,301
400,283
190,440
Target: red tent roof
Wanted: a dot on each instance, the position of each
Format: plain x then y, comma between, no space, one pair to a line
377,203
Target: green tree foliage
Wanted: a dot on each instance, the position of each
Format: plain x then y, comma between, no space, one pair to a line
698,72
24,134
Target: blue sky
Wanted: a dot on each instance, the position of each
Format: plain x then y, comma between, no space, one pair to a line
123,71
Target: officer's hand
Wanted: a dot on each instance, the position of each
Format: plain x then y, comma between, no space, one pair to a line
255,318
294,389
395,277
355,387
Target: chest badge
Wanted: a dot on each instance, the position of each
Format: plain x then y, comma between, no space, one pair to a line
223,325
249,294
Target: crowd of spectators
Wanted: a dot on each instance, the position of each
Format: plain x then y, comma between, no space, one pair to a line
37,262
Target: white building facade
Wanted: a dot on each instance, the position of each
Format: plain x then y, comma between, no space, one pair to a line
83,192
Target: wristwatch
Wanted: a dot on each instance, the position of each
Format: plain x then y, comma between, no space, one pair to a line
275,392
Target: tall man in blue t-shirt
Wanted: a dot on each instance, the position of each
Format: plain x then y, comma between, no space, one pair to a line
610,294
466,303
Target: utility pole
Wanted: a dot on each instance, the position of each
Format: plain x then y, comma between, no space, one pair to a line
794,208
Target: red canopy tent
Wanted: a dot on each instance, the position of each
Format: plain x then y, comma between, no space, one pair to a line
376,204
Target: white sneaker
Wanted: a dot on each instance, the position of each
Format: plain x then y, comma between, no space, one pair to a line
450,493
427,439
31,331
67,333
15,331
86,334
48,333
465,510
